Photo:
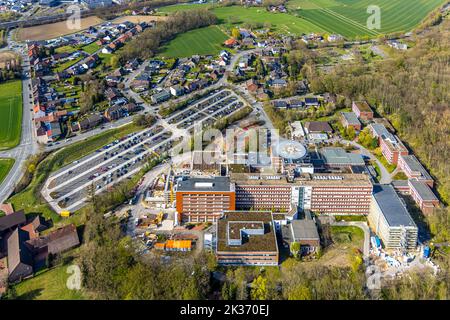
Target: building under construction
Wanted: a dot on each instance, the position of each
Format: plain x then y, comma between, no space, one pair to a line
390,219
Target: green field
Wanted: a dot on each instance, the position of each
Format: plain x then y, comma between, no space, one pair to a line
5,166
345,17
49,285
10,113
349,17
202,41
91,48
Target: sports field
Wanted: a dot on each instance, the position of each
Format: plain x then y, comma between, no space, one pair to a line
10,113
346,17
5,166
201,41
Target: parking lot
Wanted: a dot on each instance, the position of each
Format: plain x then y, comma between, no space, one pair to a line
208,110
107,166
68,188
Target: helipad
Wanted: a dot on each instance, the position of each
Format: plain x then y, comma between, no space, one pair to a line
291,150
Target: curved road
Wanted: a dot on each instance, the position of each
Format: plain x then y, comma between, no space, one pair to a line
386,177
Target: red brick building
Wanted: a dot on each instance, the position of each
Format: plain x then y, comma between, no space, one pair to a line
362,110
204,199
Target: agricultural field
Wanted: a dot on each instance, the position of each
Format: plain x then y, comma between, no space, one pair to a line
5,166
235,15
202,41
345,17
281,22
349,17
54,30
10,113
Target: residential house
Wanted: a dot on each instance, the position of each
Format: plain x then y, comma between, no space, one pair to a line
176,91
312,102
20,259
161,96
90,122
317,127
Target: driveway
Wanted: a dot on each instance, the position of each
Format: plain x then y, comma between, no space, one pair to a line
385,175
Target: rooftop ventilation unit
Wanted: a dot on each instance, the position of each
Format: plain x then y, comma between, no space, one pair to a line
204,184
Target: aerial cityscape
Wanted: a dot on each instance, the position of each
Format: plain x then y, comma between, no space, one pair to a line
224,150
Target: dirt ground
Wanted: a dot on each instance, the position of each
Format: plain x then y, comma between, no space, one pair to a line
6,56
54,30
138,19
337,255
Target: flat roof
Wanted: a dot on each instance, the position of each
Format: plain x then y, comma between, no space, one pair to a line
400,183
262,243
304,230
218,184
336,155
305,179
381,131
391,206
351,118
422,189
413,163
363,106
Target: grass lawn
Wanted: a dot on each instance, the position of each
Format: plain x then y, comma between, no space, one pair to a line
67,64
66,49
30,198
49,285
201,41
351,218
91,48
350,235
400,176
10,113
5,166
105,58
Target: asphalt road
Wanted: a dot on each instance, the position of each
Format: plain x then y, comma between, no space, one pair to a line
385,175
27,145
67,188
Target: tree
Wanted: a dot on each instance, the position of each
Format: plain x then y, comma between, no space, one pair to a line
259,288
295,249
114,61
235,33
351,134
